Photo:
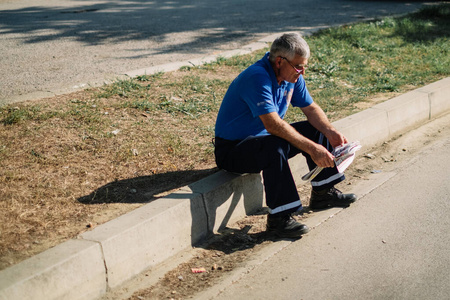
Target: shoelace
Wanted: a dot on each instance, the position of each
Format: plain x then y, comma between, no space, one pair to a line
334,191
289,219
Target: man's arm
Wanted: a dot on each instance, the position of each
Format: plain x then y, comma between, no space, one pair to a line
319,120
277,126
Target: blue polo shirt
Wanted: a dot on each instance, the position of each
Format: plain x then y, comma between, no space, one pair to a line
253,93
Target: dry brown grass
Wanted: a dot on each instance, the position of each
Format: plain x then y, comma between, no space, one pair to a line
63,174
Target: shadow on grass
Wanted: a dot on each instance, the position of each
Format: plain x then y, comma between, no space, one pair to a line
427,24
144,189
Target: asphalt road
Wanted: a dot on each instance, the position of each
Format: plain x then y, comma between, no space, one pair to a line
50,47
391,244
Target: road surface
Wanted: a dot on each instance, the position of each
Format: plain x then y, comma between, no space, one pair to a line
50,47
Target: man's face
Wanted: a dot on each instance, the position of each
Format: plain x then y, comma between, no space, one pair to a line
290,70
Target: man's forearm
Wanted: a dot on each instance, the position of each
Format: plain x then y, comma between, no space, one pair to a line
317,118
276,126
279,127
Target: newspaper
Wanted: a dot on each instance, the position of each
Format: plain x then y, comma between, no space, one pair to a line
343,157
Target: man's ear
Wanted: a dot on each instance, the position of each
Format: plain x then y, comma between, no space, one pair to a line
278,61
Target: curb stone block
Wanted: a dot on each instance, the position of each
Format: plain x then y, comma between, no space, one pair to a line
298,168
147,236
439,96
229,197
406,111
369,127
72,270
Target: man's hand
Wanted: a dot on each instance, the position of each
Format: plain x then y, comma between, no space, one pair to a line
322,157
319,154
336,138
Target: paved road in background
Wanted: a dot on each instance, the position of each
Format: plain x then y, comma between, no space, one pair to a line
50,47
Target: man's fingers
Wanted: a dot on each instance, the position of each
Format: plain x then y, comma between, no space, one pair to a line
325,161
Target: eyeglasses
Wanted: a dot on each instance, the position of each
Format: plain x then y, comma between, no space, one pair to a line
297,68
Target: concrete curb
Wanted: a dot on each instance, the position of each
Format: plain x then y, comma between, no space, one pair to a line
110,254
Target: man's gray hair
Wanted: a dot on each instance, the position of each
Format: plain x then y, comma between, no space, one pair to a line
289,45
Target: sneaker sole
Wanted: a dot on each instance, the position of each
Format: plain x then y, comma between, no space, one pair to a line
333,204
293,234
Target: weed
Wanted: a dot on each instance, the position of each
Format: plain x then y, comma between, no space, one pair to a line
122,88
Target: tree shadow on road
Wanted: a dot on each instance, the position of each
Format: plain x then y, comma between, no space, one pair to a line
213,22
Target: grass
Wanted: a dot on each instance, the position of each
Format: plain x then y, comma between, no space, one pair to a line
74,161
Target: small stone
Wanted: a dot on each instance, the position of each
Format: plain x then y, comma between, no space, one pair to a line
177,99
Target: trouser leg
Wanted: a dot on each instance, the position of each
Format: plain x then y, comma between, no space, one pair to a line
328,177
281,191
268,154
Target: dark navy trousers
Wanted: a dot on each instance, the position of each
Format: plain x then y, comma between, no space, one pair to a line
270,155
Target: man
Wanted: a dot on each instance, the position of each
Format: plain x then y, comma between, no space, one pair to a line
251,135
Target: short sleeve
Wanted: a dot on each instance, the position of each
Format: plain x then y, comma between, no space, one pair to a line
301,96
258,94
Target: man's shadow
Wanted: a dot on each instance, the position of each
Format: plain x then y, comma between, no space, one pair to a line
230,240
244,193
144,189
